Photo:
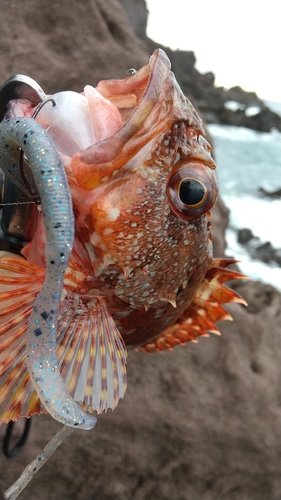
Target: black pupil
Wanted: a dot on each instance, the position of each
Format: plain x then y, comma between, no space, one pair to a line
191,192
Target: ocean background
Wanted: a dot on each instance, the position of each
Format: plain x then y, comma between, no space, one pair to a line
247,160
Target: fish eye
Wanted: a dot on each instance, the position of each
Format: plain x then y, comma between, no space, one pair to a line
192,190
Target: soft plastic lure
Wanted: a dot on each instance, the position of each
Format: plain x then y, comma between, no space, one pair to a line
52,186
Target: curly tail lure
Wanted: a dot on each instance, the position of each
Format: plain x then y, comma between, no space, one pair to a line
52,186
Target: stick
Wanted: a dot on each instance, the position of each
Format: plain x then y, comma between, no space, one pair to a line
18,486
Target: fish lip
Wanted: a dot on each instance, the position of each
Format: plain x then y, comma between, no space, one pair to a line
156,72
158,105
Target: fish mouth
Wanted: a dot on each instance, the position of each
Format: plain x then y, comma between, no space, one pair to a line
150,101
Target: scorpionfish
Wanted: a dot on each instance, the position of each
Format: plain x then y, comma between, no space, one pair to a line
141,272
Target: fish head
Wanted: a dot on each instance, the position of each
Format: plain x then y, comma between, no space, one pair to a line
146,190
142,182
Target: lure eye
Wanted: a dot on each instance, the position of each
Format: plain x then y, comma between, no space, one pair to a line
192,190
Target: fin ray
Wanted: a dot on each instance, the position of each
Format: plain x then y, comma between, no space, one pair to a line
90,349
205,309
92,356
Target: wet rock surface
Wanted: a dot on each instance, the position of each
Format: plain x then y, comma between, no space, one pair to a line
270,194
263,251
201,422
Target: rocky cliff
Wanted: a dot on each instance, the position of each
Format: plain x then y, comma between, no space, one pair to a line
200,88
201,422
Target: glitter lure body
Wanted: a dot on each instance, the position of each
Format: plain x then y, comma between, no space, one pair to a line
52,186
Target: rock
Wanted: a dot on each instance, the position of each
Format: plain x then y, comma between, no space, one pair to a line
68,45
137,14
267,253
219,219
264,252
264,121
257,250
247,99
244,236
199,423
270,194
277,256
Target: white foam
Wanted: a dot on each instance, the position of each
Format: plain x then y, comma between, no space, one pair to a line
234,105
252,110
248,160
242,134
260,215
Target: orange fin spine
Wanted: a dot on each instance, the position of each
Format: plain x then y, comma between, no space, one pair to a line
205,309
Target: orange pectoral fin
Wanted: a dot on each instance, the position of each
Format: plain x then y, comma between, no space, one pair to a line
20,282
204,310
91,353
90,350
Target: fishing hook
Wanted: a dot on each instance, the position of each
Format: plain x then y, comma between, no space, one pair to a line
23,159
40,106
10,452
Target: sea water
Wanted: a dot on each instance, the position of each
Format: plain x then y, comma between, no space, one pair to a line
246,161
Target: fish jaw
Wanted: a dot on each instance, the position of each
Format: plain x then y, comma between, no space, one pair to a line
150,101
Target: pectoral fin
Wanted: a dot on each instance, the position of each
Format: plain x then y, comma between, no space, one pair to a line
92,355
90,350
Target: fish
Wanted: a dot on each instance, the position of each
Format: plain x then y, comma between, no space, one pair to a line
122,253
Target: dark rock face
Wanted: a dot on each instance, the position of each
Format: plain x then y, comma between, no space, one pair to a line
137,15
270,194
244,235
219,218
263,121
201,422
267,253
68,44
